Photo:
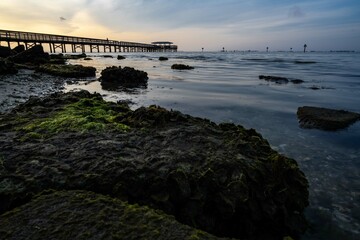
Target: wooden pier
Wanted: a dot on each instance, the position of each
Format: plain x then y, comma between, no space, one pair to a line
29,39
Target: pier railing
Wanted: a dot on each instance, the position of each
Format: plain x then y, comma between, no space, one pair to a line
60,42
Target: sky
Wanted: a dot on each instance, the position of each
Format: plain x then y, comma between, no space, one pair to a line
194,24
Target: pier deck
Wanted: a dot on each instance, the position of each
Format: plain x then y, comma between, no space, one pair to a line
55,42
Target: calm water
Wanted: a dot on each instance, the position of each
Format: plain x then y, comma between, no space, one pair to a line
224,87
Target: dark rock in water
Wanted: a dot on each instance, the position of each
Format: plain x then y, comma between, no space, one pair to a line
278,80
107,56
222,178
88,59
86,215
19,49
34,55
57,59
75,56
115,77
181,67
325,119
7,67
297,81
119,57
74,71
5,52
163,58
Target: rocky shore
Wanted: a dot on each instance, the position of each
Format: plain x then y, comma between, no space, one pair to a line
222,179
75,166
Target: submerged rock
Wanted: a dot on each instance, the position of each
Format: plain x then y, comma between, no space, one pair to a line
324,118
34,55
86,215
7,67
275,79
119,57
222,179
181,67
73,71
114,77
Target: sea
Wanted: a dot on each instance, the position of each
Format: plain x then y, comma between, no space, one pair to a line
225,87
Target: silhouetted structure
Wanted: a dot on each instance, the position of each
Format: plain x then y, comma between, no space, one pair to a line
29,39
267,49
305,46
166,46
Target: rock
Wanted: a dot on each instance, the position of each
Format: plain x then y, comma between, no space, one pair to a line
220,178
119,57
325,119
34,55
5,52
278,80
86,215
74,71
181,67
7,67
163,58
75,56
114,77
18,49
107,56
297,81
88,59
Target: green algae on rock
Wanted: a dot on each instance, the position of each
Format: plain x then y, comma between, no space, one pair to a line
220,178
73,71
86,215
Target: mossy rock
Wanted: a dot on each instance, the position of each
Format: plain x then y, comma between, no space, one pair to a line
113,78
181,67
220,178
86,215
73,71
325,118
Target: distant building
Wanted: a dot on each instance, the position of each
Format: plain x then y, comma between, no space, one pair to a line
166,46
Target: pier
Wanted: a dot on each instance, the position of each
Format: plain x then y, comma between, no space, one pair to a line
60,43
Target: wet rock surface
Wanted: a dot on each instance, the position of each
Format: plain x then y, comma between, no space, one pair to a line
72,71
280,80
5,52
325,119
119,57
113,78
86,215
181,67
163,58
18,88
222,178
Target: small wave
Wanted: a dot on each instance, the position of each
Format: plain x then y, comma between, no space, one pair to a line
304,62
264,59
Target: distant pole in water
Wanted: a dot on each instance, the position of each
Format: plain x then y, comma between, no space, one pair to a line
202,49
305,46
223,49
291,49
267,49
